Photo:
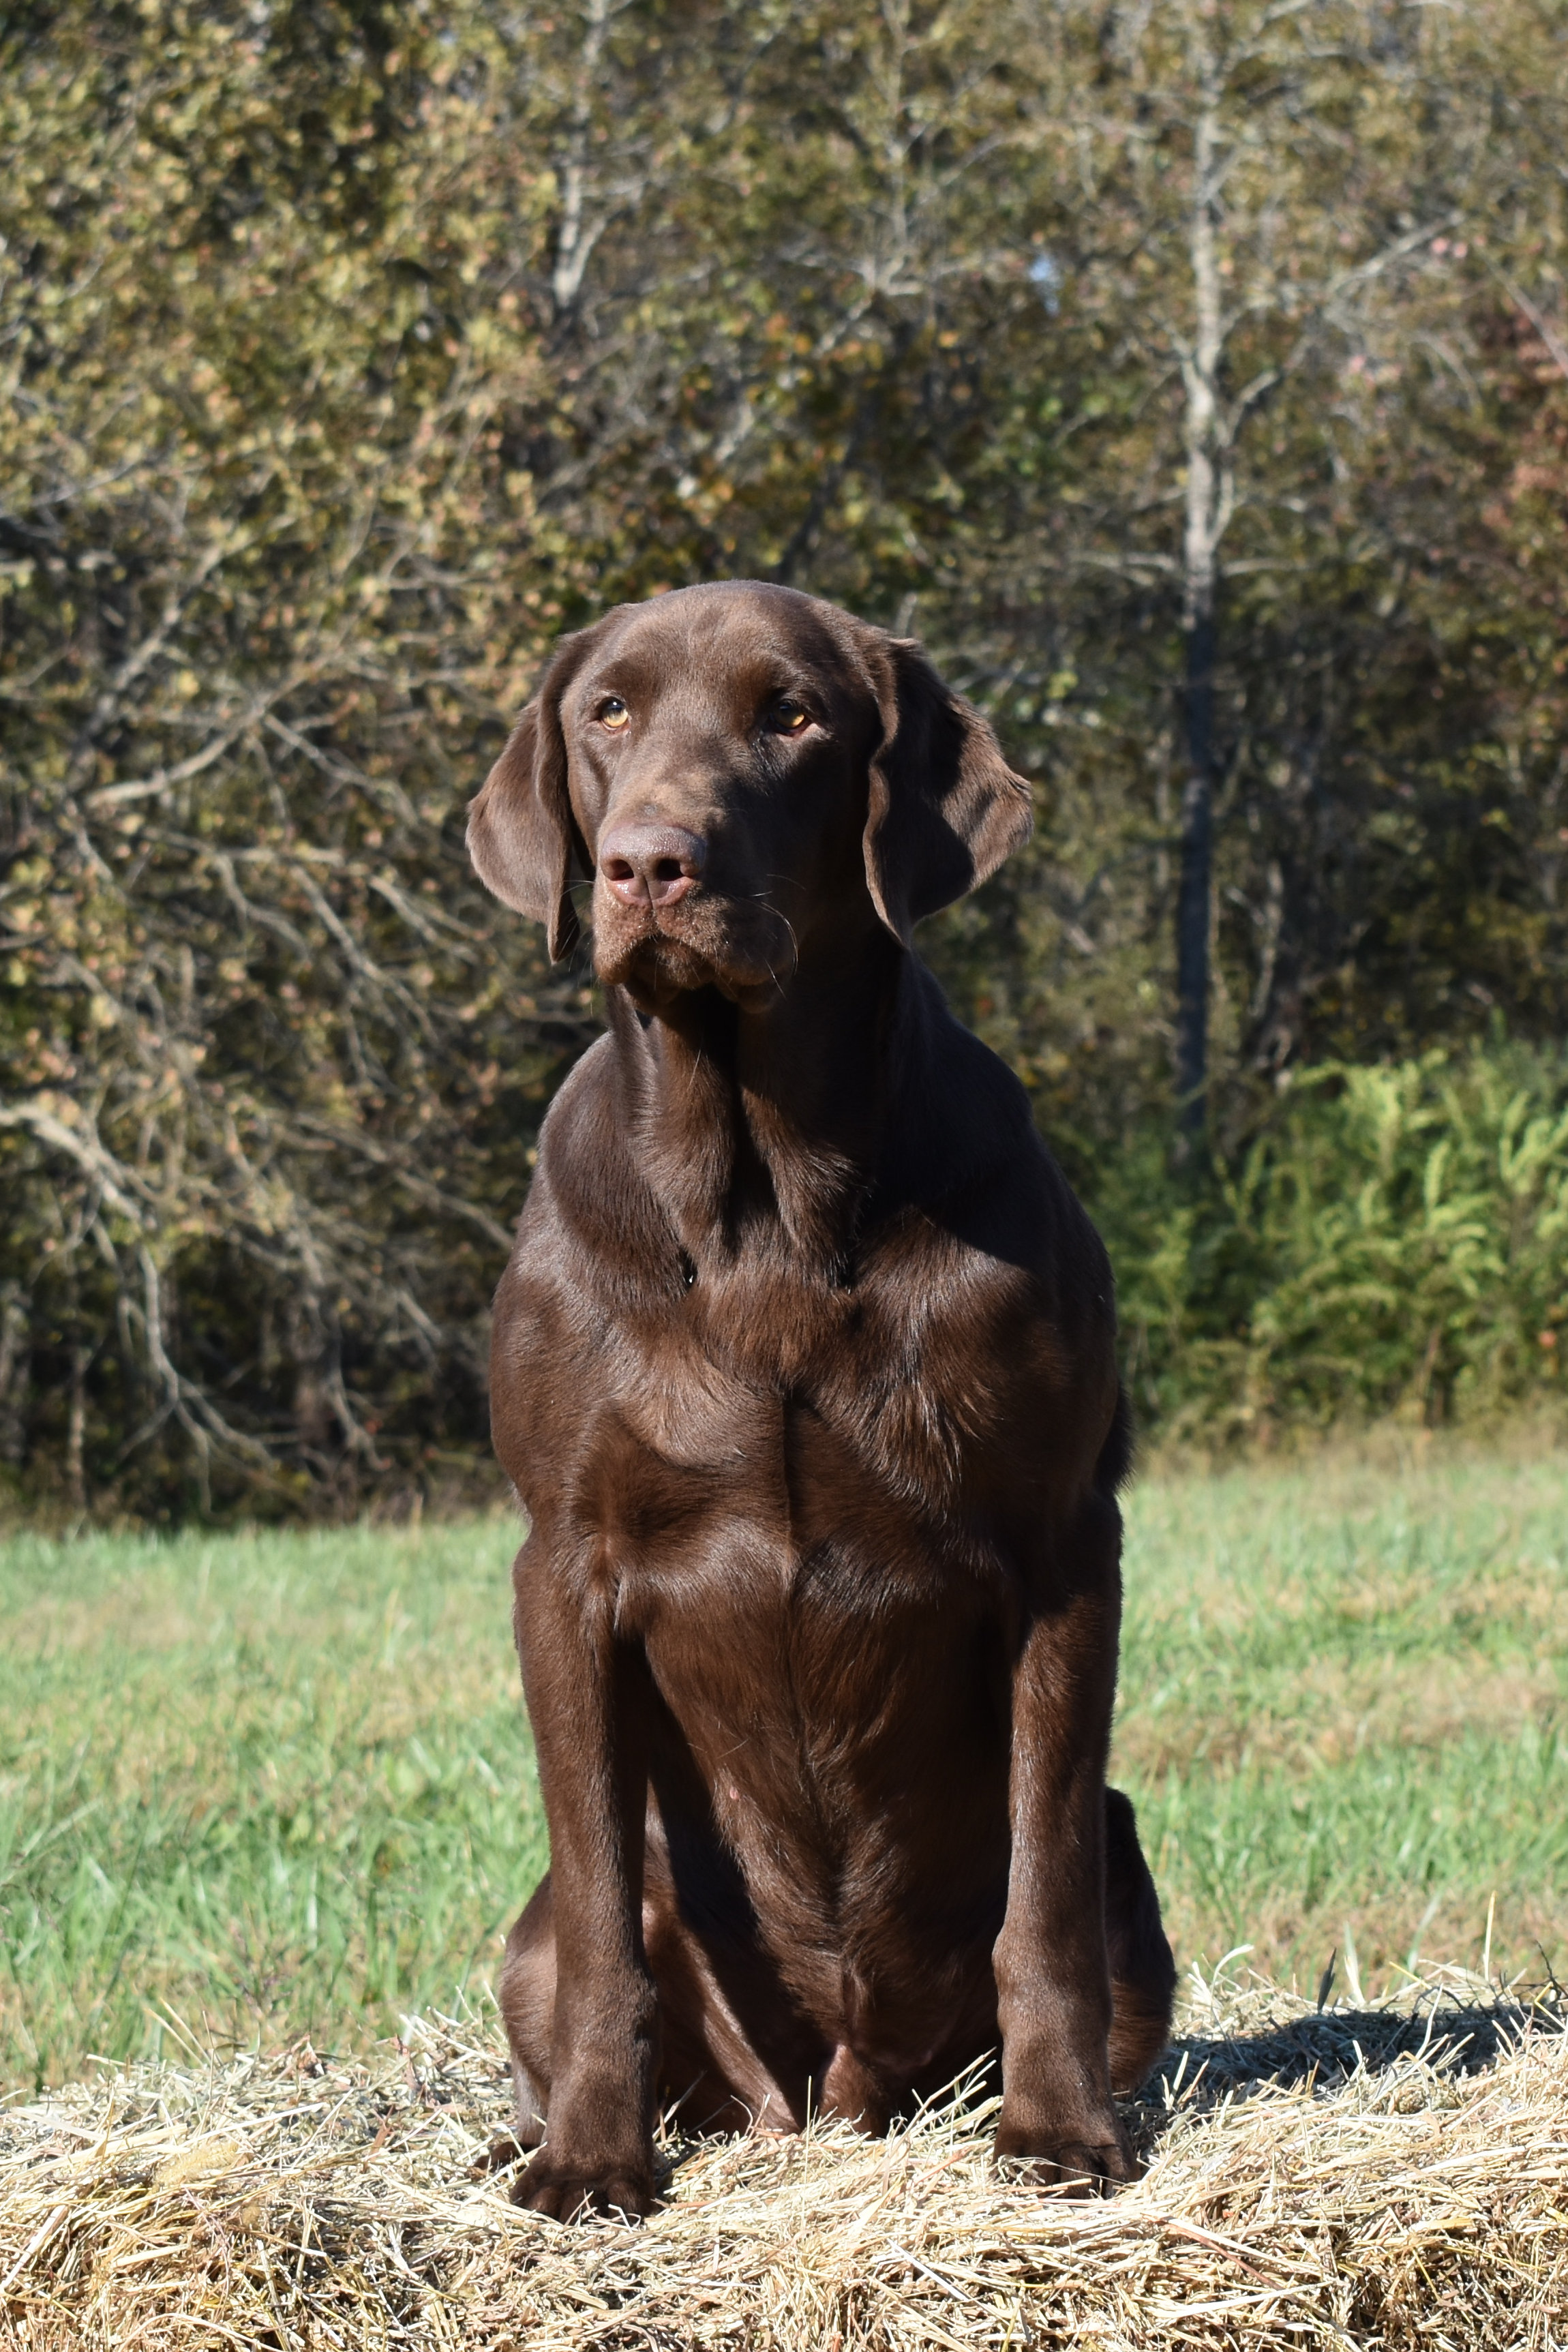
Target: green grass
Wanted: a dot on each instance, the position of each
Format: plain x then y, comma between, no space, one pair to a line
266,1785
1344,1712
255,1786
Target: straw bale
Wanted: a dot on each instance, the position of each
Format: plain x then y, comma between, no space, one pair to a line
1395,2176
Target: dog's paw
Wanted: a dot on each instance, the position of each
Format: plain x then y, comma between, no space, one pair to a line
572,2192
1076,2167
508,2148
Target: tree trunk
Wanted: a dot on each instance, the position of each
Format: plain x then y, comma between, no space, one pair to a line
15,1336
76,1431
1194,885
1209,497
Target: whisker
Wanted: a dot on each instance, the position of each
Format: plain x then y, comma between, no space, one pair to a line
762,899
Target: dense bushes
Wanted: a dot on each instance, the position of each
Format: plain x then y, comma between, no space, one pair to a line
1394,1238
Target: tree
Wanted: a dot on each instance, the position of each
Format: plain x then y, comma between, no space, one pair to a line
1189,377
264,1048
1233,224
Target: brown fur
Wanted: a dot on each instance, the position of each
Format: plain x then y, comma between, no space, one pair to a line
804,1370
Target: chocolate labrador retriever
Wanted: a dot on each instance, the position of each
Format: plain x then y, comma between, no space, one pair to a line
804,1370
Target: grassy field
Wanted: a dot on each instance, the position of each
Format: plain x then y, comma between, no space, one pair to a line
259,1786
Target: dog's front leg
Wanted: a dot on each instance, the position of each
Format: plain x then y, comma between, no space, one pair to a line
1053,1975
586,1700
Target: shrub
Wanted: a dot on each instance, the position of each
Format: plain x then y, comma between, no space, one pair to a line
1394,1238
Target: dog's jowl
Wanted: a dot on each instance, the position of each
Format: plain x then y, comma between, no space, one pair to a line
804,1370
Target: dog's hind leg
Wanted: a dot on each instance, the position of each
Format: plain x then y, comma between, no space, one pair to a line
526,1998
709,2071
1143,1972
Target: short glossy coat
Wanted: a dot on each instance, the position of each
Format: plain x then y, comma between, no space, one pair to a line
804,1370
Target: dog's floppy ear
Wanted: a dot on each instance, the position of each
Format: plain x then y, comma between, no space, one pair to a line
523,837
945,809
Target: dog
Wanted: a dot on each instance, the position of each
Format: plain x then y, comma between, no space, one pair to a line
804,1372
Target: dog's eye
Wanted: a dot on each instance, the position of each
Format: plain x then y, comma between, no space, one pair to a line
789,717
613,713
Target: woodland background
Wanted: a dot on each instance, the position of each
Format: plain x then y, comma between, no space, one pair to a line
1191,376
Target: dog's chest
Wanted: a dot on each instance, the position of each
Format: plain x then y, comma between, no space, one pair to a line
808,1570
826,1448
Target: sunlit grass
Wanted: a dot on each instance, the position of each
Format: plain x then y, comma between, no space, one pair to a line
266,1785
1344,1711
262,1784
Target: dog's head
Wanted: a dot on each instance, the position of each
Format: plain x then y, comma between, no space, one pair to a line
739,772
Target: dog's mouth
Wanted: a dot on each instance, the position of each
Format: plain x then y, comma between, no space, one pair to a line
699,939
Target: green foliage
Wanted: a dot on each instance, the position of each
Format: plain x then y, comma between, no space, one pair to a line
280,1783
348,354
1394,1239
271,1060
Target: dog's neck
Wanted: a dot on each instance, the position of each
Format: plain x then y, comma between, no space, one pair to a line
767,1129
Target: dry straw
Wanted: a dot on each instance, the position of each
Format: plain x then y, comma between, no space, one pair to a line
1389,2177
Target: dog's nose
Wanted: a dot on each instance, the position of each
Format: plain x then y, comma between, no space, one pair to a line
651,865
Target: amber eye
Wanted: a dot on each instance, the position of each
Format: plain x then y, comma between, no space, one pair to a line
789,717
613,713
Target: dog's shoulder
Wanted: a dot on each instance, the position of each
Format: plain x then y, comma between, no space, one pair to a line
576,1291
594,1247
590,1203
971,1157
